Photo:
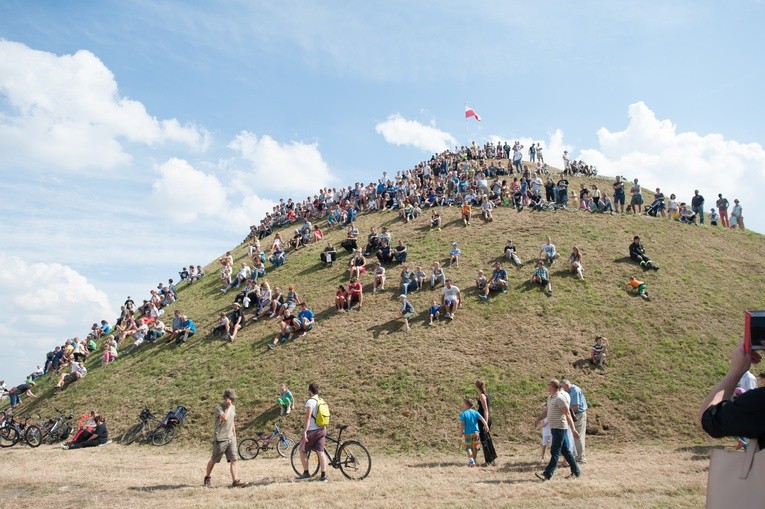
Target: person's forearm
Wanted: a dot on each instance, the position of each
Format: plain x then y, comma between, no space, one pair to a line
722,391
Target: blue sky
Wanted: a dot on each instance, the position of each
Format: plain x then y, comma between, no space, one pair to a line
138,137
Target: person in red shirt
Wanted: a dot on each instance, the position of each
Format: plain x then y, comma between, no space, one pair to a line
357,293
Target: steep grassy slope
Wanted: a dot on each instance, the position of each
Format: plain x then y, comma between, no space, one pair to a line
403,391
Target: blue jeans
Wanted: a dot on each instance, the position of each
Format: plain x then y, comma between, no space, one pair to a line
700,212
15,400
560,445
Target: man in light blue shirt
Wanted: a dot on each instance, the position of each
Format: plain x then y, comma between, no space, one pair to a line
578,408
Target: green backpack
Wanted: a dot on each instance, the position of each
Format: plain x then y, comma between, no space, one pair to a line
322,413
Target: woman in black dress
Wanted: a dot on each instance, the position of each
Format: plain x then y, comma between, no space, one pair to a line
484,404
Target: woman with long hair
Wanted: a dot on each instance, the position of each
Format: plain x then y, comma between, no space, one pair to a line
484,403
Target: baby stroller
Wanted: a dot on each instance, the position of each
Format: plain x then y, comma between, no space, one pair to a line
655,207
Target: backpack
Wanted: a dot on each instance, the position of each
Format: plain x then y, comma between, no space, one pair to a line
322,413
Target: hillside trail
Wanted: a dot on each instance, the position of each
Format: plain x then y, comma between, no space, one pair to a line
653,475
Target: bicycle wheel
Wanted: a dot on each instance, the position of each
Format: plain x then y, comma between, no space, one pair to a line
163,434
131,434
355,461
297,466
8,436
33,436
284,445
248,449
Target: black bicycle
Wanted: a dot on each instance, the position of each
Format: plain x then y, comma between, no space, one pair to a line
163,433
250,447
351,457
13,432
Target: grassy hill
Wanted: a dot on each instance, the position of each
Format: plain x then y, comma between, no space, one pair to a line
403,391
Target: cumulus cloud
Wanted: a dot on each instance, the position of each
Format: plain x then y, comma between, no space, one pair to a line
679,162
43,305
66,112
294,167
399,131
186,194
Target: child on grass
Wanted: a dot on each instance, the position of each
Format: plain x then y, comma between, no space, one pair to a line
599,351
434,312
285,400
638,285
406,311
419,276
454,255
546,436
471,438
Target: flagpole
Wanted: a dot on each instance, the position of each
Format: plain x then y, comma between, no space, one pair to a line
467,138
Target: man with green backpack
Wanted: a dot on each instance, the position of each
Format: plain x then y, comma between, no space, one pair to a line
314,433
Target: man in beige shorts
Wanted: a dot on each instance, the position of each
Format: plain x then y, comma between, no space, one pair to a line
224,439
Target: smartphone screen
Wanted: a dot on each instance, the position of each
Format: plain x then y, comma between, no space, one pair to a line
754,330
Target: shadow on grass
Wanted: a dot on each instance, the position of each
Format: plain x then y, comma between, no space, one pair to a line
389,327
163,487
521,466
508,481
438,464
700,452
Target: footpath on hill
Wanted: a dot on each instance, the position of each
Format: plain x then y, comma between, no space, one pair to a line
626,476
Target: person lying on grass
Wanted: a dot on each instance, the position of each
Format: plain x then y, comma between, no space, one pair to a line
639,287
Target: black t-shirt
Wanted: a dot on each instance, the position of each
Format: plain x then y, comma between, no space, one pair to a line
618,189
563,183
697,201
102,433
21,389
742,416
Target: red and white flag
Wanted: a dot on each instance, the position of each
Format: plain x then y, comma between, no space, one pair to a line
470,112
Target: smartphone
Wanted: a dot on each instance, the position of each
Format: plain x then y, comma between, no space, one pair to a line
754,330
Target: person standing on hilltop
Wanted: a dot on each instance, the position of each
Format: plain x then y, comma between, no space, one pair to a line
619,195
636,201
737,216
722,208
697,205
224,439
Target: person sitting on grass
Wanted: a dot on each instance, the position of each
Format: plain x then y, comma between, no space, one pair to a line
76,371
469,428
349,244
224,325
110,350
407,212
454,255
481,284
263,302
434,312
419,276
187,330
357,265
378,277
408,280
548,253
285,400
498,281
400,252
510,254
329,255
99,436
275,306
373,242
541,276
451,299
435,220
306,319
242,275
604,205
156,331
638,254
575,263
437,275
356,291
486,209
406,310
287,325
639,286
341,298
599,352
384,254
236,322
466,213
317,233
278,257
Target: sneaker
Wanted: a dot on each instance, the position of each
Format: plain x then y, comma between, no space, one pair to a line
271,346
238,484
254,318
305,476
471,463
323,478
272,315
541,476
573,476
484,297
207,483
105,443
64,446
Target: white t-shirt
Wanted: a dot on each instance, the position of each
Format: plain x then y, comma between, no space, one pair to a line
312,403
748,381
450,293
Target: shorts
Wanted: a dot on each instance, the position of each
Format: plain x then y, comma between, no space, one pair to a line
450,302
641,289
472,442
315,440
619,197
637,199
408,316
220,449
543,281
546,436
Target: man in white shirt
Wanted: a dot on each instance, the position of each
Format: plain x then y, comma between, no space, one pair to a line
451,299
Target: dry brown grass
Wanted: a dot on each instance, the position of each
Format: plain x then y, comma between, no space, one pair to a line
665,476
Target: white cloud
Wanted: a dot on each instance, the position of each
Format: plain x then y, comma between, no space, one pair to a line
43,305
399,131
186,194
679,162
294,167
65,112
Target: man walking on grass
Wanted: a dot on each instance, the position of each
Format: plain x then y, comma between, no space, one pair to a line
579,411
559,417
314,436
224,439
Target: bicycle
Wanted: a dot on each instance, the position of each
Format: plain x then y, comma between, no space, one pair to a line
249,448
351,457
56,429
13,432
162,434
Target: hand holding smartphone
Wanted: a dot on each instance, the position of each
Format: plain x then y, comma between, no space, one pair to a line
754,330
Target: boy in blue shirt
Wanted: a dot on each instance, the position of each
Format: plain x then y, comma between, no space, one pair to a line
469,427
434,312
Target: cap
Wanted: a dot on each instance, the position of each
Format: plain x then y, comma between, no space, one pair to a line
454,243
565,382
229,393
402,296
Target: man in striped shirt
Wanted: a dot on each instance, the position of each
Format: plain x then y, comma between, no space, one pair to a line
559,418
